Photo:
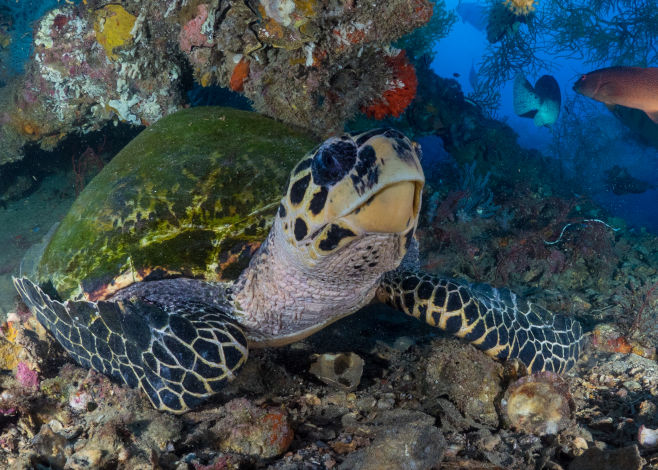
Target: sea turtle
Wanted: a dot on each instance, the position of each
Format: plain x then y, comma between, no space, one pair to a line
135,282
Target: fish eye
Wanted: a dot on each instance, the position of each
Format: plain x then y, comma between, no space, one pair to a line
583,77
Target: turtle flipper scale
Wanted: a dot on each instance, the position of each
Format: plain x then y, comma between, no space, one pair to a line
497,321
178,359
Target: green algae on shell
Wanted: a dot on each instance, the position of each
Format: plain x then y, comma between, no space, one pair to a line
194,195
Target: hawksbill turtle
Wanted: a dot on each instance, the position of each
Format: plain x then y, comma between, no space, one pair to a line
181,255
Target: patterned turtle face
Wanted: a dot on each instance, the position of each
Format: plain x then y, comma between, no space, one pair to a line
352,186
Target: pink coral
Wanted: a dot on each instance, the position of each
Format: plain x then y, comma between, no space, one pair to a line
191,34
27,377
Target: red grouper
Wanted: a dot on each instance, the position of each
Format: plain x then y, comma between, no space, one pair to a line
633,87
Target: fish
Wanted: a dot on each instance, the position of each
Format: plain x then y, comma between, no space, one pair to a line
473,76
541,103
473,14
473,103
632,87
456,75
620,182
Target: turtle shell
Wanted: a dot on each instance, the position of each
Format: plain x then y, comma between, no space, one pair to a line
192,196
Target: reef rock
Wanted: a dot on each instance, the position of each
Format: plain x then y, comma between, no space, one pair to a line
247,429
627,458
470,378
409,446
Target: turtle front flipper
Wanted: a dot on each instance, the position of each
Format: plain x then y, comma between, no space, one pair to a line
178,356
497,321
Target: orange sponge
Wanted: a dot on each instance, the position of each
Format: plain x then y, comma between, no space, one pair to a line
240,74
401,92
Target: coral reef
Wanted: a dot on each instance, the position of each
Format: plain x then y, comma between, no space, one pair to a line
249,429
504,20
311,64
420,43
566,29
18,18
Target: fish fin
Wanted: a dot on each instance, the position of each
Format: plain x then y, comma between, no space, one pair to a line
473,75
611,107
610,89
525,99
653,115
547,113
548,93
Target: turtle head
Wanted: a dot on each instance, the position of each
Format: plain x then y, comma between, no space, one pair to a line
348,216
352,187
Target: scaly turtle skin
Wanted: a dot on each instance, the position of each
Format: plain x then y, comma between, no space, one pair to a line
497,321
137,274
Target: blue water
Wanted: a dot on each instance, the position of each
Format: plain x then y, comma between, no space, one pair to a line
465,45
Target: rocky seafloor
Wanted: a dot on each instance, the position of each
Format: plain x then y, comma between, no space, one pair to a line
416,399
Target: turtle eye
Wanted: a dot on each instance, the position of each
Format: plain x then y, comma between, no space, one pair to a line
333,161
329,162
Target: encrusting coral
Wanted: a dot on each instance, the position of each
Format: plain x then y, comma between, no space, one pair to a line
308,63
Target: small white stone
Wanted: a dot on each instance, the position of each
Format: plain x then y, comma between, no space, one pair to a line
55,425
647,437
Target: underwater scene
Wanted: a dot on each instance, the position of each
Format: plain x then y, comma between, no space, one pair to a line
328,234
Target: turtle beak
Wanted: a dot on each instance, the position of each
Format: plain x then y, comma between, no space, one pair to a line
394,209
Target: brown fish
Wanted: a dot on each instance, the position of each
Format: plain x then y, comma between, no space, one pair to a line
632,87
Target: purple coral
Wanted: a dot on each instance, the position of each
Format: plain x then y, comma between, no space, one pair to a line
27,377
